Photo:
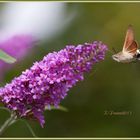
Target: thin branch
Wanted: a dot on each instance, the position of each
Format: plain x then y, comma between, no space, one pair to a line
7,122
30,128
4,108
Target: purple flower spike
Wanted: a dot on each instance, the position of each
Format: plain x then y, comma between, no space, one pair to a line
48,81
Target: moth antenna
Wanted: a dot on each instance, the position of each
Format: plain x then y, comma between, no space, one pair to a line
111,51
114,50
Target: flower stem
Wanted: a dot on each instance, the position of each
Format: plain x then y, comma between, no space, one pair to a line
30,129
7,123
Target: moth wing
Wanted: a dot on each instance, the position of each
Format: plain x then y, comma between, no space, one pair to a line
133,48
129,38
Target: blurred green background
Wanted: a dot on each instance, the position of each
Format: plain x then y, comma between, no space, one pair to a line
110,86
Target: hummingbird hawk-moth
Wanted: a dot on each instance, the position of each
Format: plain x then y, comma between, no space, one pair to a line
130,51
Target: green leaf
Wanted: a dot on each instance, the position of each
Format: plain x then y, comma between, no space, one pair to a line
62,108
6,57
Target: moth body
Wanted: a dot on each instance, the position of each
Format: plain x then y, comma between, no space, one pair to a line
124,57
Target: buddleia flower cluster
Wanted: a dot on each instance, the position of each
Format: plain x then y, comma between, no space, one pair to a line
47,82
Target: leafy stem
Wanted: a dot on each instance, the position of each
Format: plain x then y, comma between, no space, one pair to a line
7,123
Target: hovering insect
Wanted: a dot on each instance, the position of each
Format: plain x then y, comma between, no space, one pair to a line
130,51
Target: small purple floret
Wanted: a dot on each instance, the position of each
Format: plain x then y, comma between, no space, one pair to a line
48,81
